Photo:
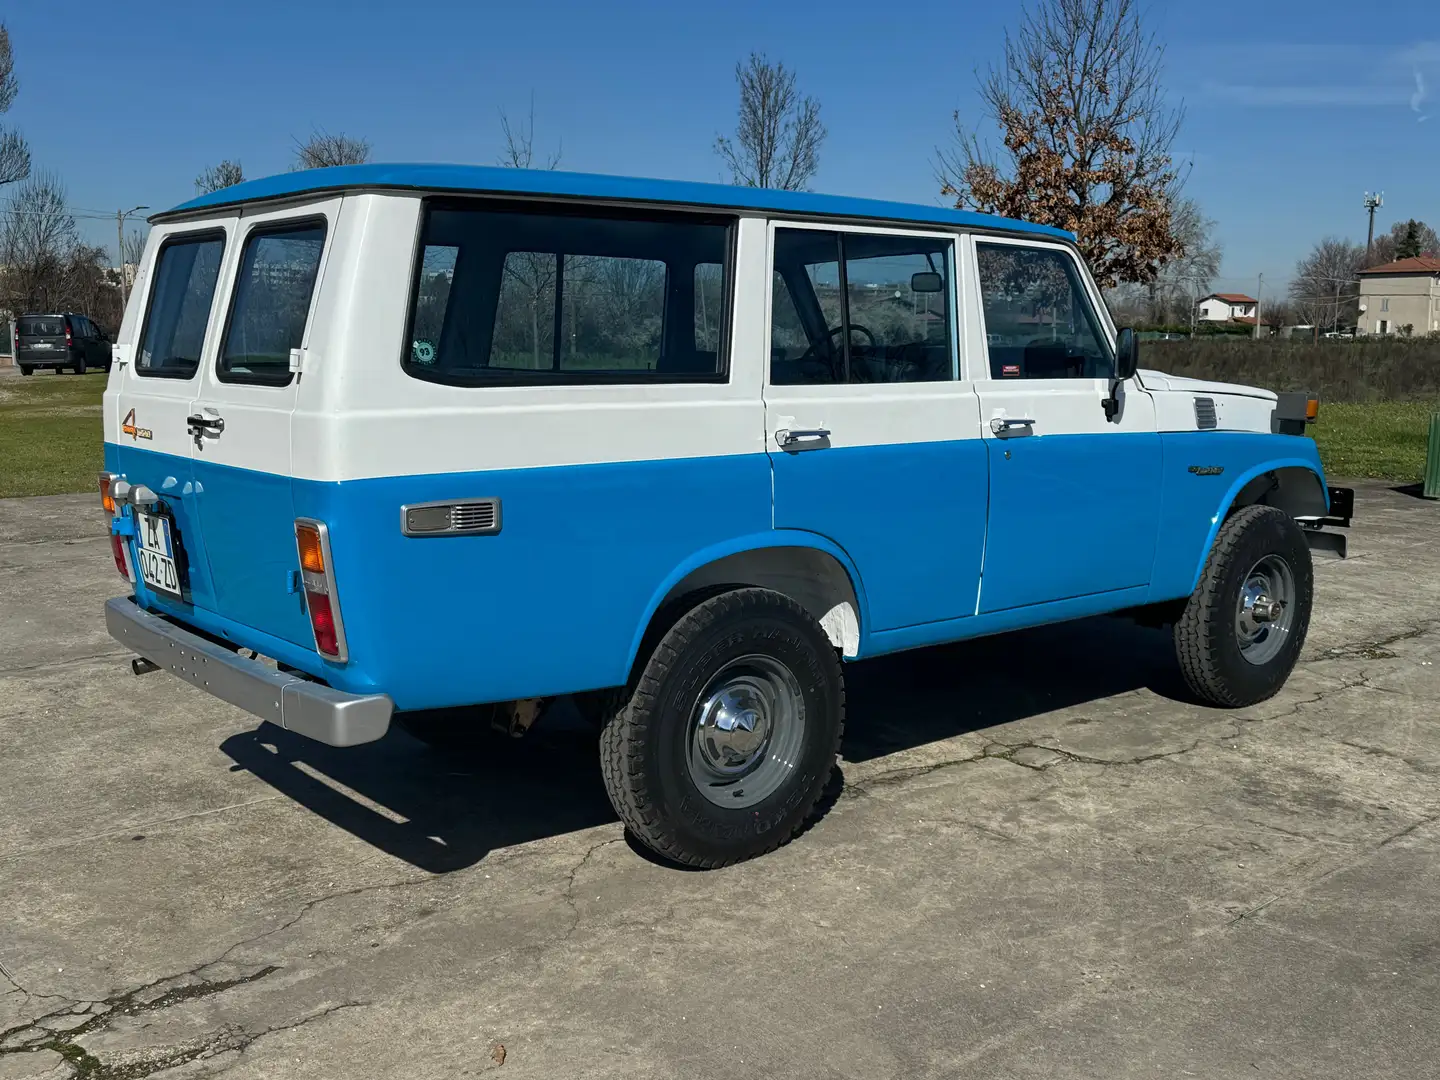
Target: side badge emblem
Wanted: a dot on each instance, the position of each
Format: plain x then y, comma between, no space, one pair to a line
1207,470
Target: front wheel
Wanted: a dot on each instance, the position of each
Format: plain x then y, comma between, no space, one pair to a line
730,734
1243,628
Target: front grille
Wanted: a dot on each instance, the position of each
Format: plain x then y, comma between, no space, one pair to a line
1205,418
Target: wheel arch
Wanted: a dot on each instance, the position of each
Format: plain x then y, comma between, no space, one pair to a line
811,570
1293,485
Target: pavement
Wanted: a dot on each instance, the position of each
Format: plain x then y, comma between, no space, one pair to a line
1039,859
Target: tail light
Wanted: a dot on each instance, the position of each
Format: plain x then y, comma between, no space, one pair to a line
68,339
317,575
106,499
122,557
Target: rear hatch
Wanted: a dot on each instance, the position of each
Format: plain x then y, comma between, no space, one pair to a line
40,339
204,401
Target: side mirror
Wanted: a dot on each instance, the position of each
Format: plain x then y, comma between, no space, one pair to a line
926,282
1127,354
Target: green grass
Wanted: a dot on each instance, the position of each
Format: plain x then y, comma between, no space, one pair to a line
50,434
1382,440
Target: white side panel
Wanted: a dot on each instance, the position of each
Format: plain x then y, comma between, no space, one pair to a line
368,418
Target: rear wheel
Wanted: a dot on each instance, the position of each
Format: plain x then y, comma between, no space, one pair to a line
730,734
79,367
1243,628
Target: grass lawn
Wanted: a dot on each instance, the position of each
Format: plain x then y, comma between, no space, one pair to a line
50,434
1384,440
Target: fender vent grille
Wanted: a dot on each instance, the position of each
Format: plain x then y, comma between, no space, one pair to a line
1205,418
473,517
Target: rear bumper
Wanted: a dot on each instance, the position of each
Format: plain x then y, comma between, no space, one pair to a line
307,708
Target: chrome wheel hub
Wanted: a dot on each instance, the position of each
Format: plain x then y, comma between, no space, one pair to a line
747,729
1265,614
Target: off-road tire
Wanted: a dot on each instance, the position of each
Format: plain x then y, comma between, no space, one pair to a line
1206,642
643,746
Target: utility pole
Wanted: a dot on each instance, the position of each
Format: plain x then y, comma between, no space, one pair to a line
1259,296
1373,201
120,216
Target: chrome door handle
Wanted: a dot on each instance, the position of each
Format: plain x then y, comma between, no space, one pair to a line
1002,424
791,440
213,424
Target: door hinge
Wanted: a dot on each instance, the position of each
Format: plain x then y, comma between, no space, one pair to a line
297,360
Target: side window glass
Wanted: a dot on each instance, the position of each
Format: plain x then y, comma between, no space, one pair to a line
271,304
509,297
1038,320
860,308
432,300
186,271
709,306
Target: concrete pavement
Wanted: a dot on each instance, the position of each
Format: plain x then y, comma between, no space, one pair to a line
1040,860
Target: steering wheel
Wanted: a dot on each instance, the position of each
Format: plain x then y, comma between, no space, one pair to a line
812,359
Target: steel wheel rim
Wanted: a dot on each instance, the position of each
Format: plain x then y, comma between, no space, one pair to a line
747,728
1265,610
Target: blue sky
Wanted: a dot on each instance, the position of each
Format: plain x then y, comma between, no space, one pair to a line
1294,107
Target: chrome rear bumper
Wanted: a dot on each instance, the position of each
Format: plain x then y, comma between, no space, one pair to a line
307,708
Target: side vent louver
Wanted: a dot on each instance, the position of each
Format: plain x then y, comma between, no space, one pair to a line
472,517
1205,413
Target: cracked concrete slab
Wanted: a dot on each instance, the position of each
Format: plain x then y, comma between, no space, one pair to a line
1039,858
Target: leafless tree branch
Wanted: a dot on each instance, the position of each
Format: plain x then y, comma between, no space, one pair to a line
227,174
323,150
779,133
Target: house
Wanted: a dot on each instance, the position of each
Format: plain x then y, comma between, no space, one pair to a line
1400,294
1225,307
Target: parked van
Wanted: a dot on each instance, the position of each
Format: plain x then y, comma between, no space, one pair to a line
435,436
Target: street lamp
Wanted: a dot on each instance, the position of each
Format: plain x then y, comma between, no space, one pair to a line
120,216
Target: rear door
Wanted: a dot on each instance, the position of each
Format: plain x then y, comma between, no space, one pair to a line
156,391
1074,495
873,437
243,408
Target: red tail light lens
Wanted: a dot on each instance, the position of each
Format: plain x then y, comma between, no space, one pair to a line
322,621
117,548
68,339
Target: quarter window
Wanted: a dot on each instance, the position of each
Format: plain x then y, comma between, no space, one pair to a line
272,303
186,271
509,297
860,308
1038,320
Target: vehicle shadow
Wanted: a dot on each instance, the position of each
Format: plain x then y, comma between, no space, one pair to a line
444,811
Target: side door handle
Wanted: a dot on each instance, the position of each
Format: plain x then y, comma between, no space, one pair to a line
1001,424
803,438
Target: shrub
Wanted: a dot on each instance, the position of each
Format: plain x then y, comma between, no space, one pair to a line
1389,369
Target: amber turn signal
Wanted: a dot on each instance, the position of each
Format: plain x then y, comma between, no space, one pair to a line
312,557
106,500
1312,409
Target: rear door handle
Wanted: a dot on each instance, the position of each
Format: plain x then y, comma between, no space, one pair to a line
196,422
1001,424
803,438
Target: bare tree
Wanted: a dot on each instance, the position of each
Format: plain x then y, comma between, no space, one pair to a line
227,174
36,239
14,151
779,133
323,150
1325,288
1405,240
1088,135
520,143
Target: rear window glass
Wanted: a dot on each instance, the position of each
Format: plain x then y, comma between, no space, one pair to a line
41,326
510,297
186,271
272,303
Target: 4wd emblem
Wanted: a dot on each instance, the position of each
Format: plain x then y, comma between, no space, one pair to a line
128,427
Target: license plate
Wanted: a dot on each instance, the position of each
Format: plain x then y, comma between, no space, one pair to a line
157,554
42,345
